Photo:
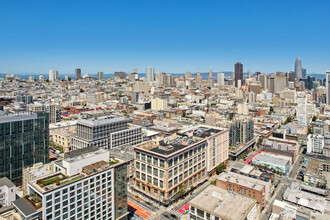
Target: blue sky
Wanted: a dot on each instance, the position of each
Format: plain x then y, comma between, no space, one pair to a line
172,36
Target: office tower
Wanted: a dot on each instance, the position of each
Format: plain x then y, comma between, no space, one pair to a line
77,74
210,81
105,131
50,108
100,75
68,78
51,75
327,85
238,73
24,141
198,80
290,76
83,185
298,68
135,97
41,78
188,75
120,75
257,74
262,78
150,74
277,84
315,143
304,73
221,79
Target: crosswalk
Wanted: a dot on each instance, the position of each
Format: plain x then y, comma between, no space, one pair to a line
169,211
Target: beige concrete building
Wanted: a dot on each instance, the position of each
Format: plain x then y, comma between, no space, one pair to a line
62,137
35,171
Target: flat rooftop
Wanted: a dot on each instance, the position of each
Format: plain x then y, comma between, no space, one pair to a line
225,177
307,196
201,131
268,158
222,203
17,116
169,144
97,120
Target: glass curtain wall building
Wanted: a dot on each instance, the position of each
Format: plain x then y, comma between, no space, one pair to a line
24,141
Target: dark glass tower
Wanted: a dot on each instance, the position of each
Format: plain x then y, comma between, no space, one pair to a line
238,73
24,141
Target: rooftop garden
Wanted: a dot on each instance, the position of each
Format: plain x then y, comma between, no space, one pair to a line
71,180
50,180
113,162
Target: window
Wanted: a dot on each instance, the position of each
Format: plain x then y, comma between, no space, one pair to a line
180,168
161,184
155,161
170,173
143,157
185,155
161,174
170,184
161,163
213,142
149,159
155,172
149,179
213,152
186,174
143,166
180,157
137,174
149,170
200,213
155,181
175,160
175,171
170,163
137,165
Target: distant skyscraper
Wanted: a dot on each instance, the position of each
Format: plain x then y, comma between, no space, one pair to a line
77,74
211,81
150,74
120,75
327,84
99,75
304,74
188,75
298,69
51,75
250,74
198,80
56,77
238,73
221,79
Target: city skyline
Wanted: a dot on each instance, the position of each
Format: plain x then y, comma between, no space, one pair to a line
171,36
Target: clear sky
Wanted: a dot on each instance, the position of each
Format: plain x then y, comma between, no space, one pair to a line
171,35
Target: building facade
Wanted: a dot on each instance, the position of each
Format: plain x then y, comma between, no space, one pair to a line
24,141
105,131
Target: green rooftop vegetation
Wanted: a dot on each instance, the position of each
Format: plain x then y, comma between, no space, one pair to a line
71,180
113,162
50,180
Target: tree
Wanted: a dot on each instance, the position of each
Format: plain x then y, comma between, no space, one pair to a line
310,131
260,140
314,118
81,90
220,168
182,190
271,109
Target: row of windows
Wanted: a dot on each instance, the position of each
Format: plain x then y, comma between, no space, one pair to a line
149,159
149,179
186,155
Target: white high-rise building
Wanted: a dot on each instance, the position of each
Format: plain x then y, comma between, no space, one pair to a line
327,85
301,111
221,79
84,185
150,74
51,75
249,74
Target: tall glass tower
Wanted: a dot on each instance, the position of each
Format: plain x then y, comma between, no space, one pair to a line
24,141
298,69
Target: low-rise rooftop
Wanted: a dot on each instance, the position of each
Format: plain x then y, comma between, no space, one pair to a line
222,203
